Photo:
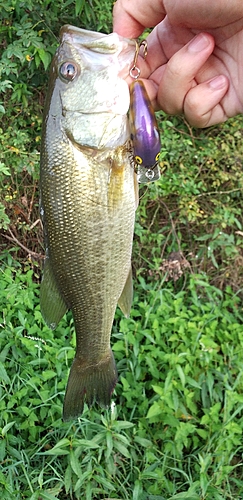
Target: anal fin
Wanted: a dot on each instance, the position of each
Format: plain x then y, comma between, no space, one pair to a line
125,300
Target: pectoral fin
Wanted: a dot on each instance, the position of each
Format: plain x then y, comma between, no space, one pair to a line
125,300
52,305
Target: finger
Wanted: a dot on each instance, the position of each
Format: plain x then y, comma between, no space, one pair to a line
203,15
202,106
180,73
131,17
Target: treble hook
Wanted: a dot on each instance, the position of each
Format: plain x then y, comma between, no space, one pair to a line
135,71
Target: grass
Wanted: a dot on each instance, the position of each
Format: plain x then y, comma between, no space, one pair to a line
175,426
174,430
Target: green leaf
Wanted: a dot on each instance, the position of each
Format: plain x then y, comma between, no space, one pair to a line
137,490
82,479
68,479
193,382
14,452
202,433
67,3
109,443
45,57
145,443
121,448
4,170
22,319
154,410
184,496
181,375
58,449
86,443
43,495
3,374
204,237
2,449
79,5
121,424
62,442
74,462
48,374
104,482
6,428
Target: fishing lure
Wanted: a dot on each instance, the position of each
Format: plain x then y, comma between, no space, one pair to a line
145,136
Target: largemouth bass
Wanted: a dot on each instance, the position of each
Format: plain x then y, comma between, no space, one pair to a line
88,202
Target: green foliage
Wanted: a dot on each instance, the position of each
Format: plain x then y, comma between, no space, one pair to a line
174,431
175,426
29,34
30,30
196,207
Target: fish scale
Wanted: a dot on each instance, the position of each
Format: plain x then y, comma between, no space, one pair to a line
88,202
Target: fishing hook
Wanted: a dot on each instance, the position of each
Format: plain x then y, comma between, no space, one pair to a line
135,71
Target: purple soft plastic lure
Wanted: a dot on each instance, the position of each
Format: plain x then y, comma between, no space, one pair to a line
144,134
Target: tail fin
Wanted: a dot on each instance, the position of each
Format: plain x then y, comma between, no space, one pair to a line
89,384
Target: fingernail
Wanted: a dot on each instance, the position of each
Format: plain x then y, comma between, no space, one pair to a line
198,43
217,83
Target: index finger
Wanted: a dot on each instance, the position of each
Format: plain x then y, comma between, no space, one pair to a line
131,17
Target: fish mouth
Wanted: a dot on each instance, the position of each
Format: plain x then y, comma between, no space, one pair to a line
97,42
112,47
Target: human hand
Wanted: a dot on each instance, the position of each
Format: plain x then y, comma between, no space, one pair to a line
195,55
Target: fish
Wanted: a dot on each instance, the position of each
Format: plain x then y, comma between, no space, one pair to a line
145,134
89,195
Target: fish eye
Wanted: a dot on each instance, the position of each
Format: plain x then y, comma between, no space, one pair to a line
138,160
68,71
157,157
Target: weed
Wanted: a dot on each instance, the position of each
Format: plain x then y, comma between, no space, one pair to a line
174,429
